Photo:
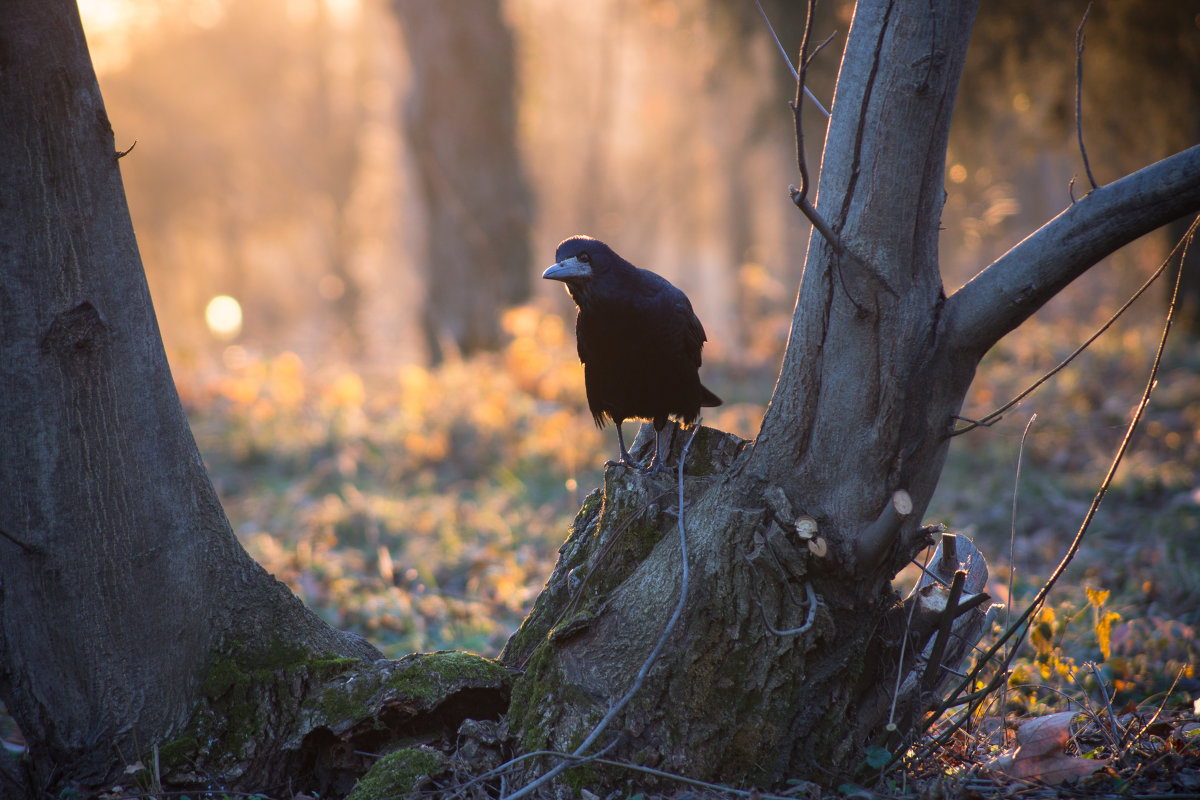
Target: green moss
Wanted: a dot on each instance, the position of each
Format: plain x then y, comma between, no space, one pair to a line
233,692
427,677
332,665
398,774
343,701
578,778
591,504
222,677
175,750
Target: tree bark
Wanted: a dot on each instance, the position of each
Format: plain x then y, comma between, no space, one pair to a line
785,660
131,620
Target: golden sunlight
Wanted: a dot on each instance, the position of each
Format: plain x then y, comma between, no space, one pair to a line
223,314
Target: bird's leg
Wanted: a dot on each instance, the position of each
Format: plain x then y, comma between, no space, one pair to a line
656,463
626,459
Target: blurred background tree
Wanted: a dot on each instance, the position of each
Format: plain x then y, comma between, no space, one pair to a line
424,507
373,181
1016,113
460,124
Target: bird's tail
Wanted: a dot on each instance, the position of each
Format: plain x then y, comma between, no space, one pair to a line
708,399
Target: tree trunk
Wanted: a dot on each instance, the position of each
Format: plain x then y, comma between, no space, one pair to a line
784,660
133,625
460,122
131,620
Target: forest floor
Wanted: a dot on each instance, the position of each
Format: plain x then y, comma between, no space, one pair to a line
424,509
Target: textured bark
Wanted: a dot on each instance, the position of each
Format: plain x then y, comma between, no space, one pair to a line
122,586
776,666
285,721
787,656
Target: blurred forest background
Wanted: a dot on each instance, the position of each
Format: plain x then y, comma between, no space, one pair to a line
388,396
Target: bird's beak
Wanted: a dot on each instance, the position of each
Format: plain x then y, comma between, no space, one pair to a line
568,270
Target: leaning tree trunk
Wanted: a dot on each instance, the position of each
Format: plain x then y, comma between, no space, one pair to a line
132,623
783,662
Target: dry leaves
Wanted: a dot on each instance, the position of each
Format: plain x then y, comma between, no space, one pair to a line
1040,753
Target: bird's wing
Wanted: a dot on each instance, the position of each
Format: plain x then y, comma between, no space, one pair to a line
695,337
681,327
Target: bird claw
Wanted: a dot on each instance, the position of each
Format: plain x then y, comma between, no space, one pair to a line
626,461
654,468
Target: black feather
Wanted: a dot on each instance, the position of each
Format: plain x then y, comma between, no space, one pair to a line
638,339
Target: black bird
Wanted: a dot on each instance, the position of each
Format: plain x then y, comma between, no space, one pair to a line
637,337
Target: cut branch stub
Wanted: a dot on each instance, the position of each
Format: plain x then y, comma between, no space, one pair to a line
940,632
806,527
752,678
876,541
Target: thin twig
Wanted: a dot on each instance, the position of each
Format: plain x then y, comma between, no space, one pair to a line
1040,599
994,416
797,105
891,724
1080,41
834,240
1012,539
1157,712
498,772
787,59
598,758
640,678
930,573
800,195
811,597
811,57
1113,724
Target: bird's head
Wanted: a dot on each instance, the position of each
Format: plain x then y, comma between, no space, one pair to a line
583,264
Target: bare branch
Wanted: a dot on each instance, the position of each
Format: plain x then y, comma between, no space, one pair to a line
995,416
1080,41
1021,626
806,208
1013,287
797,106
932,674
787,59
813,55
874,542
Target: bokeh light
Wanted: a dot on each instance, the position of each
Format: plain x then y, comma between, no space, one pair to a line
223,315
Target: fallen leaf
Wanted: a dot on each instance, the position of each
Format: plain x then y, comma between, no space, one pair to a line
1039,754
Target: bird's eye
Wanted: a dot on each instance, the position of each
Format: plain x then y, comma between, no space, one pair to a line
584,257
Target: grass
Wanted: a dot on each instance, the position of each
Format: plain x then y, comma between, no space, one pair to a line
424,509
1141,554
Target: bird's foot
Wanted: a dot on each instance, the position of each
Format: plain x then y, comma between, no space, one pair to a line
626,460
656,466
